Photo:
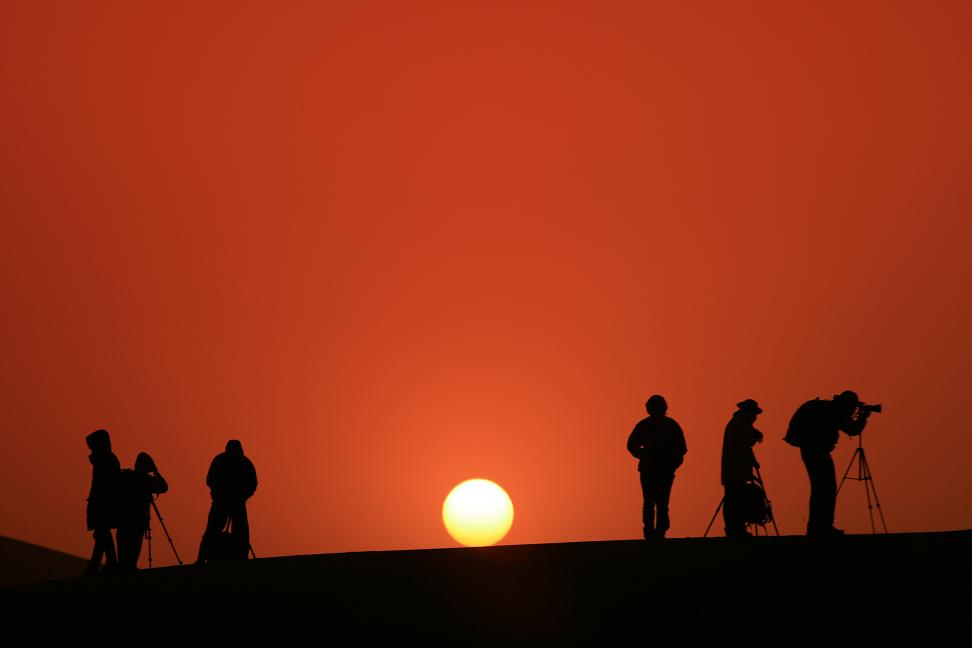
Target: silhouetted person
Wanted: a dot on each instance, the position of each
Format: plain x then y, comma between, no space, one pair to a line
659,444
135,492
738,463
815,428
232,480
105,470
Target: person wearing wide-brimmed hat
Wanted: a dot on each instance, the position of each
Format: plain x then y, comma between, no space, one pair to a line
815,429
738,464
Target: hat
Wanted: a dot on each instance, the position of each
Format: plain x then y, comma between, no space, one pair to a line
848,396
749,405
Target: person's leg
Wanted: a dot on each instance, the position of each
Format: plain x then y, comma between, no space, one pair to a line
664,489
823,490
97,553
648,506
138,535
732,511
215,523
105,545
241,527
124,537
828,480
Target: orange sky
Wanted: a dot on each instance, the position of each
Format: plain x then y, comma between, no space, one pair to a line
391,246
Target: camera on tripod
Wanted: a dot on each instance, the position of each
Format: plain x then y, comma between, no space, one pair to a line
867,410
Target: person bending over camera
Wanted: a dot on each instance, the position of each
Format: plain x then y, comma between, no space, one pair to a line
815,429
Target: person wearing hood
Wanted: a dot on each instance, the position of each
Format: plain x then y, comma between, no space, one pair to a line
105,470
232,481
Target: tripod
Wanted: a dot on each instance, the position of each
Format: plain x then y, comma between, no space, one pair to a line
148,534
766,504
864,475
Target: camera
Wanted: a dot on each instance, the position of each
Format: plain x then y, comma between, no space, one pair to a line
866,409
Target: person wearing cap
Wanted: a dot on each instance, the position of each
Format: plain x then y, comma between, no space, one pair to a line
738,463
815,429
659,445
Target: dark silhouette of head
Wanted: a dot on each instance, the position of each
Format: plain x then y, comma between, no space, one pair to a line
847,401
748,410
656,406
99,441
234,448
144,463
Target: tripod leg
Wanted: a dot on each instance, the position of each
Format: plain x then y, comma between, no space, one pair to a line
846,472
867,492
718,508
772,518
871,488
148,537
166,531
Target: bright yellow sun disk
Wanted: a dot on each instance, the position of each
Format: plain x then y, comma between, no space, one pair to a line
477,513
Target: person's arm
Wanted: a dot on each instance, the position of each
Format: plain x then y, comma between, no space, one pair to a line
211,474
756,436
854,426
634,443
251,479
680,448
158,484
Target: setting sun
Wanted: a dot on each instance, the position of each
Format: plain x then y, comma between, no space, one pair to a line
477,513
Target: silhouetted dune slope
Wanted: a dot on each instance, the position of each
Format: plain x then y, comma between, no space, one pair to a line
904,588
22,562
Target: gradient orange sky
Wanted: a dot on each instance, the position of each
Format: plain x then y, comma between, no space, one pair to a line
392,246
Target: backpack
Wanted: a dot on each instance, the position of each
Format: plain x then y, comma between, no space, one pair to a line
131,504
227,545
803,423
753,504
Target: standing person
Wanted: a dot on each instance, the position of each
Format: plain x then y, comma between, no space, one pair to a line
232,480
659,445
105,470
135,496
815,429
738,464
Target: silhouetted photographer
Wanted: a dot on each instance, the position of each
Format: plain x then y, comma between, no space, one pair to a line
815,429
742,493
232,481
137,488
105,470
659,445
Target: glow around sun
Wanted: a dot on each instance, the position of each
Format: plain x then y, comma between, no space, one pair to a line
477,513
